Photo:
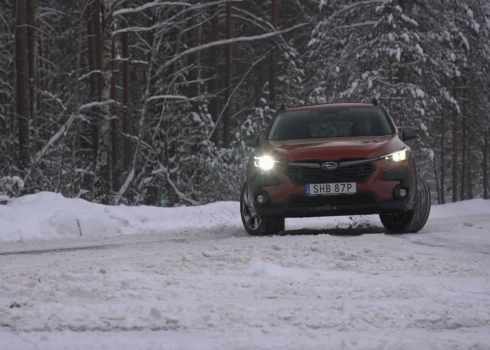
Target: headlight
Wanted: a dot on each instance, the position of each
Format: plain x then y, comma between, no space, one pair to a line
264,162
397,156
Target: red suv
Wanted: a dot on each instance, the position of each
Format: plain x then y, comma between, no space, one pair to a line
331,160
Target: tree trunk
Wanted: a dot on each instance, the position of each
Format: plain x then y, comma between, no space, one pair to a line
97,31
192,40
33,78
259,84
92,77
22,100
103,168
40,66
436,175
155,46
116,164
469,167
149,37
97,41
455,148
126,126
153,16
485,165
76,160
443,155
463,159
464,141
229,61
273,70
213,82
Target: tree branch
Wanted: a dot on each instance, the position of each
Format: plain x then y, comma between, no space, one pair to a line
229,41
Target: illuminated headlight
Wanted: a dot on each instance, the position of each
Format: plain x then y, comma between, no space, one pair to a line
264,162
397,156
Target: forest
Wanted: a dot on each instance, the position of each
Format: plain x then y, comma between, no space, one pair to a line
149,102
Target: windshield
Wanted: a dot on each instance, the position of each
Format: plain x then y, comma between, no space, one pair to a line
330,122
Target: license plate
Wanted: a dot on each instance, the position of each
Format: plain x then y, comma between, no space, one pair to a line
328,189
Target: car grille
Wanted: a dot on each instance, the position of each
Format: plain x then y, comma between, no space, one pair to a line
314,201
356,173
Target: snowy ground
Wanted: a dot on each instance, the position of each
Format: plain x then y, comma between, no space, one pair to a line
75,275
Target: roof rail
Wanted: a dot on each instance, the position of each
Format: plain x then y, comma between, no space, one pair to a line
284,107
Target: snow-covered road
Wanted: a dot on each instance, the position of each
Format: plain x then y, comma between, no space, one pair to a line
327,286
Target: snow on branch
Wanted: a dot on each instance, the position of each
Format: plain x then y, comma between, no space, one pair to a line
85,76
229,41
353,5
149,5
169,3
10,187
137,29
233,92
188,7
126,184
3,82
163,170
249,20
180,194
175,97
255,18
62,131
55,138
170,97
355,25
96,104
48,94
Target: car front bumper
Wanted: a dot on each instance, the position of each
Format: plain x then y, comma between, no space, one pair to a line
284,199
333,208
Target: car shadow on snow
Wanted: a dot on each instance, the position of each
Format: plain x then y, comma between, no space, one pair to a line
337,231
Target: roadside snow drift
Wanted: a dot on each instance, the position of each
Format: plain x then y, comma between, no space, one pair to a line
50,215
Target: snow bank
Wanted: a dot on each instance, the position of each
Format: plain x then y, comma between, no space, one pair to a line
49,215
472,207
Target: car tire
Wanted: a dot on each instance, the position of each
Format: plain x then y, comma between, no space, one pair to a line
414,220
257,226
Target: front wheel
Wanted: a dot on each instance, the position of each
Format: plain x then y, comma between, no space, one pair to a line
411,221
254,225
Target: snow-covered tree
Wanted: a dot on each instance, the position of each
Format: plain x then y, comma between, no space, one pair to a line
150,102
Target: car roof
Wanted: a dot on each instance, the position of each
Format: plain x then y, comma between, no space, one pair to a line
327,105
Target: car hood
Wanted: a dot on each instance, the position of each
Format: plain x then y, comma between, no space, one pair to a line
333,148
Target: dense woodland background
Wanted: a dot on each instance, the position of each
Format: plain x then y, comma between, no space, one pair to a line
140,102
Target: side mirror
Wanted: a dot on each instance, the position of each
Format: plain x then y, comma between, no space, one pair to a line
408,133
252,142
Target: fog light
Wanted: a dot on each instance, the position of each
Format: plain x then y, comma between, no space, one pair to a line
261,198
401,192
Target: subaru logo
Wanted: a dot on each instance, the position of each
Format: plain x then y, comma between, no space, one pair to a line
330,166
